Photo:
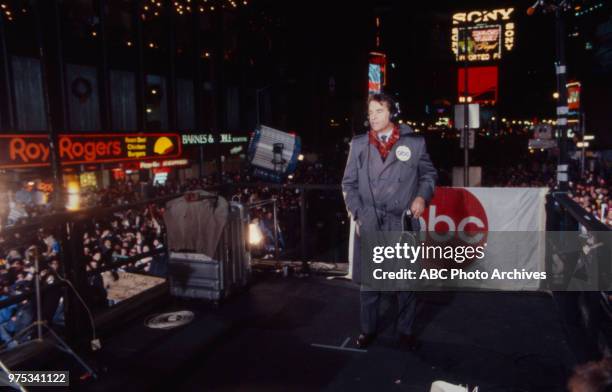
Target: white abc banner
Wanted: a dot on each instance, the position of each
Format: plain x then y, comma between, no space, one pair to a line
492,210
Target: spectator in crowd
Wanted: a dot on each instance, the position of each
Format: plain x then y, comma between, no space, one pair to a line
24,194
592,377
7,320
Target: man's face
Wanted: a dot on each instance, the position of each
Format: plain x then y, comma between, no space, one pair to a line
379,116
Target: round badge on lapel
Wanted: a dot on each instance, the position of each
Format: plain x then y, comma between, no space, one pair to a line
403,153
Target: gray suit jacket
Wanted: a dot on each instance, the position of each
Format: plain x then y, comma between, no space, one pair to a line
391,185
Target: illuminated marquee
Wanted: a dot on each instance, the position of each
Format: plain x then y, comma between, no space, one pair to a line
208,138
481,34
18,151
163,164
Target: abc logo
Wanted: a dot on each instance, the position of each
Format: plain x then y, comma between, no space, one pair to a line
455,212
403,153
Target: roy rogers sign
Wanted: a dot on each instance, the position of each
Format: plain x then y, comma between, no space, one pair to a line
20,151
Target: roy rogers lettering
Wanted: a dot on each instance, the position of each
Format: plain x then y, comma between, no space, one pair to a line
34,150
37,150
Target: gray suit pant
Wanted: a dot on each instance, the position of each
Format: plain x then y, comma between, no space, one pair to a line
406,301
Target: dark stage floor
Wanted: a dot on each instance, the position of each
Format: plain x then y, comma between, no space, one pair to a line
289,334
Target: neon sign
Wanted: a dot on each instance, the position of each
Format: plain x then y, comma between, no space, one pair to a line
481,35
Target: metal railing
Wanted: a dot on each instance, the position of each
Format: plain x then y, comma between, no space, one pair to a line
314,224
72,275
579,241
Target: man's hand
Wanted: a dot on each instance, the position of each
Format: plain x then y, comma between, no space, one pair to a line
417,207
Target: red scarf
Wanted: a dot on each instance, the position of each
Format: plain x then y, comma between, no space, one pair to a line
384,148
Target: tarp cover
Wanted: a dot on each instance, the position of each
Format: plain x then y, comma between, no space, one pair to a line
196,225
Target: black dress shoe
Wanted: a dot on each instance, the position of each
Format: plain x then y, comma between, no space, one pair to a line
408,342
365,339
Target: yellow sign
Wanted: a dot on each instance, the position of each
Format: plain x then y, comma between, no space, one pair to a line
163,145
481,35
136,146
475,17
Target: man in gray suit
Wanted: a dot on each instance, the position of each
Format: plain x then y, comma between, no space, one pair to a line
388,176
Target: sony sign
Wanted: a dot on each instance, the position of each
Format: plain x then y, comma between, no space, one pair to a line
482,16
481,35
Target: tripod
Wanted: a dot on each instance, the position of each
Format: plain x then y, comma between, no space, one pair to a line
39,324
8,371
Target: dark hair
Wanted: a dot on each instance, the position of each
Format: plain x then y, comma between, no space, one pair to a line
383,99
387,101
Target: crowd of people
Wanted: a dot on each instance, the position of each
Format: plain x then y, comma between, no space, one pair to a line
591,190
105,241
593,193
527,174
122,236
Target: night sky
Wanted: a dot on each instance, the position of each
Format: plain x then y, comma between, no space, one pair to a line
308,61
331,39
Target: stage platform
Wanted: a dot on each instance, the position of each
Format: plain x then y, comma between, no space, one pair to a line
297,334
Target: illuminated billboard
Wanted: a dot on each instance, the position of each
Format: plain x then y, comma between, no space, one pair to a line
377,70
374,82
480,43
573,96
482,35
482,84
18,151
